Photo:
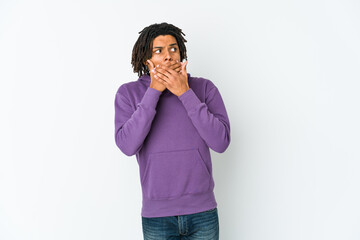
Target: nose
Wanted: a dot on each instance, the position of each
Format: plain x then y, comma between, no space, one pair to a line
168,56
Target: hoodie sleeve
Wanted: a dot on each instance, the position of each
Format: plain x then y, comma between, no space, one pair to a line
132,127
209,118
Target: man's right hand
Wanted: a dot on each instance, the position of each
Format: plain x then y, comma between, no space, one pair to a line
155,83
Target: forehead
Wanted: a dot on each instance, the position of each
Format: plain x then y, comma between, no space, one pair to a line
164,40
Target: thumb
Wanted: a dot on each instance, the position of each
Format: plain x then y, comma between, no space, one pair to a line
183,67
151,64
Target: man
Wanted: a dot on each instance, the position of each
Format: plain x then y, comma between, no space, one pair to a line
169,120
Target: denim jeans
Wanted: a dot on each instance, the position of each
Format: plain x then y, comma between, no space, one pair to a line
197,226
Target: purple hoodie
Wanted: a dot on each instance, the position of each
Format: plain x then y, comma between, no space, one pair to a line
171,137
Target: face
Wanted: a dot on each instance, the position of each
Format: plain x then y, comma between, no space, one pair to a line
165,48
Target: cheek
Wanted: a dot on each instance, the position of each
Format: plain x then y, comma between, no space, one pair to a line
177,56
155,59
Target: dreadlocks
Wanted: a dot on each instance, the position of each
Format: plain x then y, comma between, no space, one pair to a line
142,49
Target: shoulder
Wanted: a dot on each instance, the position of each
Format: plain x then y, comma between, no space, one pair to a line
203,83
129,87
126,86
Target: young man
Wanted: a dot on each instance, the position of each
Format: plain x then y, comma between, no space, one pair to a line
169,120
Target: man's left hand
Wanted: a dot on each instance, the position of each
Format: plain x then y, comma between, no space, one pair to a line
176,82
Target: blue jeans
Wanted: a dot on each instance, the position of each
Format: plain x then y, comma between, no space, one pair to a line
197,226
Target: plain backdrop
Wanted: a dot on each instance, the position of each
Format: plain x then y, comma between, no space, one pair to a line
288,72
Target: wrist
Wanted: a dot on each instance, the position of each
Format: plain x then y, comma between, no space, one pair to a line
184,91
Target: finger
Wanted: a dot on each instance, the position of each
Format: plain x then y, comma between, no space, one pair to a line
167,69
160,78
161,70
177,69
150,63
161,73
174,64
183,67
168,63
165,75
168,74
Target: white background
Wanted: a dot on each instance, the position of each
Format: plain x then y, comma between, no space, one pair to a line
288,72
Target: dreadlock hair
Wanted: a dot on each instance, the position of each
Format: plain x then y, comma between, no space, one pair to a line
142,49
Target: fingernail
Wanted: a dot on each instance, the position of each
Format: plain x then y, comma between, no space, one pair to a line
157,65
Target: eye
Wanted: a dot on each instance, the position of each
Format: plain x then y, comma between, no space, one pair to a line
157,50
174,48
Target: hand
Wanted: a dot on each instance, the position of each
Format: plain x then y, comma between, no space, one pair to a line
176,82
174,65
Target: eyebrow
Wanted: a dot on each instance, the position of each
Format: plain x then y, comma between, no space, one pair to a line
173,44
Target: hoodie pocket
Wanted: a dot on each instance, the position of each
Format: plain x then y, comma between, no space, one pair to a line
175,173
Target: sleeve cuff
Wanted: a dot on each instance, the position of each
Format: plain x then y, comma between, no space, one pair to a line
189,99
150,98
